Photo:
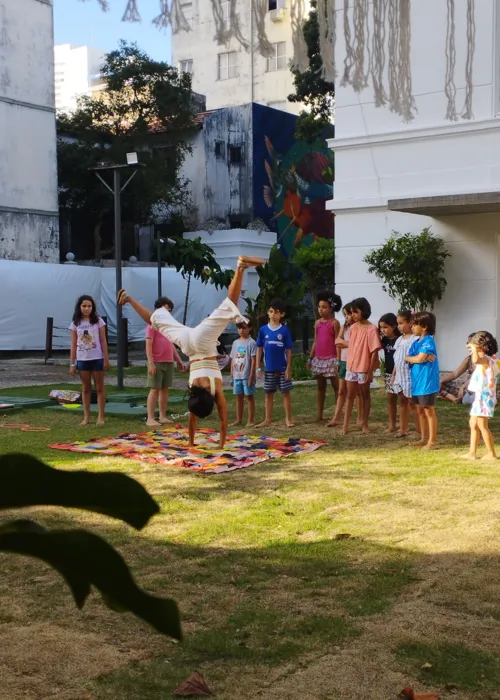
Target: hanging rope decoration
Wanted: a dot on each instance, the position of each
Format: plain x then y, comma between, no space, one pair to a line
131,12
450,89
467,112
386,53
327,38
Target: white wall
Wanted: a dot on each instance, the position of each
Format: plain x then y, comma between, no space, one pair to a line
28,174
73,67
378,157
253,83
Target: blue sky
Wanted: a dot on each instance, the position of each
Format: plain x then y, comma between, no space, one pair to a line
77,22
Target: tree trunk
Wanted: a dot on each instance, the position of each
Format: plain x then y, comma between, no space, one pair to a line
186,302
97,239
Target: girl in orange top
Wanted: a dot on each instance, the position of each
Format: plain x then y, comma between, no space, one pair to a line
362,361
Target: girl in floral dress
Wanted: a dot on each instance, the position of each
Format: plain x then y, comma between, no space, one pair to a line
483,348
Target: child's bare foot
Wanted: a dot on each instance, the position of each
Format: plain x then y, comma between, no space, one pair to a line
490,457
391,430
165,421
152,423
470,456
430,446
249,425
365,430
344,431
263,424
419,443
236,422
85,421
359,423
400,434
319,419
333,423
289,424
100,421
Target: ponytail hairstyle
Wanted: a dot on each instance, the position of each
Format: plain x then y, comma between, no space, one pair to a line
485,341
390,320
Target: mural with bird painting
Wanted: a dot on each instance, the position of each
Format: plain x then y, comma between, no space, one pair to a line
300,182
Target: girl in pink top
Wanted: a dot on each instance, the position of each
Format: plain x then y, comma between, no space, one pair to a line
323,357
362,361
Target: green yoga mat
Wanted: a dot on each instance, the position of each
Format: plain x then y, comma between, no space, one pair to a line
26,401
137,398
112,409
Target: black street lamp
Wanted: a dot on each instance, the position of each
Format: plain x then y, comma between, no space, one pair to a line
116,190
159,243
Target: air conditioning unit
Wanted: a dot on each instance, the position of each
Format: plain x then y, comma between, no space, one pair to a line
278,15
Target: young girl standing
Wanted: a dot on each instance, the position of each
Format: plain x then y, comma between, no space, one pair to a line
89,354
483,348
389,332
425,386
401,377
342,342
362,361
323,357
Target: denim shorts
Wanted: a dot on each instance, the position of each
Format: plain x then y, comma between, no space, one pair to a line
90,365
240,386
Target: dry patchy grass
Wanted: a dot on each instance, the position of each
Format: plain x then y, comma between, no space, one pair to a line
274,606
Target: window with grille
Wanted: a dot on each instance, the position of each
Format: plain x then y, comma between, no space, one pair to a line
236,155
187,9
225,6
186,66
227,65
278,60
220,150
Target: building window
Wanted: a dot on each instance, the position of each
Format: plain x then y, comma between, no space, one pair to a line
220,150
225,7
186,66
278,60
276,5
187,9
236,155
227,65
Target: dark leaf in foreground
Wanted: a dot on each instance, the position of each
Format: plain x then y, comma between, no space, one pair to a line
194,685
25,481
86,560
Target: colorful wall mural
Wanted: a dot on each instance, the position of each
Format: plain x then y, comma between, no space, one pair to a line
292,180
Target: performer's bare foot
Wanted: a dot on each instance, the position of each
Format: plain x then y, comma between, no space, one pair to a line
490,457
122,297
85,421
153,423
250,261
165,421
264,424
470,456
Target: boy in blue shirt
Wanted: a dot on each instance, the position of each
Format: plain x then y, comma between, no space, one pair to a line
274,342
425,378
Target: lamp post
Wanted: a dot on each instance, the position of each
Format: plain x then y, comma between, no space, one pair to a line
116,190
159,243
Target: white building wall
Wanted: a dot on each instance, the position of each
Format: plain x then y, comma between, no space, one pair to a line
74,67
253,82
378,157
28,173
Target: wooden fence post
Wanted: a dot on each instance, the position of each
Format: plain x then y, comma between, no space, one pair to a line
48,338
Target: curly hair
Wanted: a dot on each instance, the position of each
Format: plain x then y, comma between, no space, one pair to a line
333,299
200,401
485,341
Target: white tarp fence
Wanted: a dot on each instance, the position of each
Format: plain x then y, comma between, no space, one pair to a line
31,292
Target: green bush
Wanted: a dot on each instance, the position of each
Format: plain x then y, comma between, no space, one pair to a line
300,370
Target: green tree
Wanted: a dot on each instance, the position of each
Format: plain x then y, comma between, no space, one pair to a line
278,279
316,263
146,106
82,558
411,268
312,89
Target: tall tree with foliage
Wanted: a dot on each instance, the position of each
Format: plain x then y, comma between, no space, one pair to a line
316,263
312,89
145,106
411,267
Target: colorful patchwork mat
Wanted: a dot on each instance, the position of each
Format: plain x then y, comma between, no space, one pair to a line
170,446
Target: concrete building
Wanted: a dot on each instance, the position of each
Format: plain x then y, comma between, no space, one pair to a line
391,175
230,75
28,174
76,73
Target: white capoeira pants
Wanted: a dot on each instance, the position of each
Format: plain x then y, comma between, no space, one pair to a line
201,341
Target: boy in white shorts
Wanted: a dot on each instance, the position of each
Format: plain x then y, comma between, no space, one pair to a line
200,345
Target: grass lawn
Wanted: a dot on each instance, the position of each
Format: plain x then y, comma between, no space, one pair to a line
274,603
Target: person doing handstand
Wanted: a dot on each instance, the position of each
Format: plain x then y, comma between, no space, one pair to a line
200,345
